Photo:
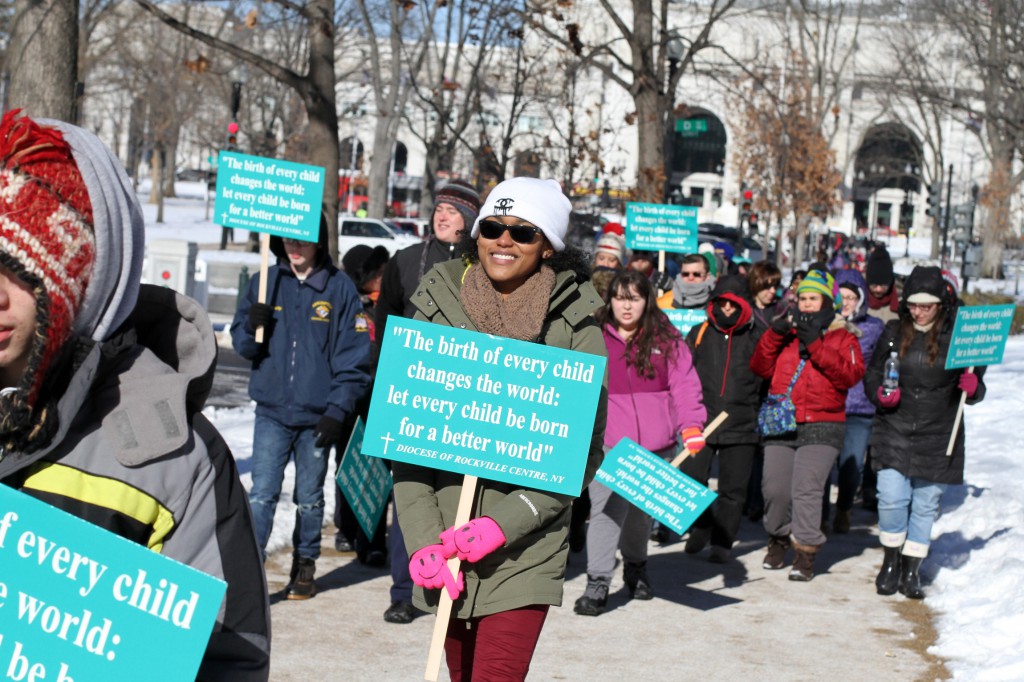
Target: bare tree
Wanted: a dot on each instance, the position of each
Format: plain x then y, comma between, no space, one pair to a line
42,58
782,154
638,56
315,87
985,88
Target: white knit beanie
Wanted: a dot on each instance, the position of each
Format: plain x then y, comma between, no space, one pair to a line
540,202
613,244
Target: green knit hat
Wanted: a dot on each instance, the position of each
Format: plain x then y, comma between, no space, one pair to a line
822,283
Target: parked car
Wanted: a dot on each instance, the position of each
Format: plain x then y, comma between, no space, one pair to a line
412,226
372,232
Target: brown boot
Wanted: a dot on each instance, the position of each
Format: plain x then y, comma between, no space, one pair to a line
775,558
803,562
841,524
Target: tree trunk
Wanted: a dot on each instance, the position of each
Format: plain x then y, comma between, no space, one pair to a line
42,58
997,227
380,164
651,151
323,113
156,195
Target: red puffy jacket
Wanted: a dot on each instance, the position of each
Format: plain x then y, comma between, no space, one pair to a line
835,365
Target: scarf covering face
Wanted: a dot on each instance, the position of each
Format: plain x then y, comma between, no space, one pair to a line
691,294
520,315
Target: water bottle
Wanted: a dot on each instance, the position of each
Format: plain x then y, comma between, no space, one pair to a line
891,374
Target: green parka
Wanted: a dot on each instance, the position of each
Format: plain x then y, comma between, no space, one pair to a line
530,568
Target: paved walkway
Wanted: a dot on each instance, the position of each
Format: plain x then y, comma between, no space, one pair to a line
707,622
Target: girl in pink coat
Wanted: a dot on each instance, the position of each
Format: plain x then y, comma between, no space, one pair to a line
654,398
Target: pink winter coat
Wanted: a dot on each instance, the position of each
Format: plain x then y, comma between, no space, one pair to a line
651,411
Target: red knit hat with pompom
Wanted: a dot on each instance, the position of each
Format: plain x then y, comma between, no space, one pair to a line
46,231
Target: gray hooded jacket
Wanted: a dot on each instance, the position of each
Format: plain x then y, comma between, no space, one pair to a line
129,416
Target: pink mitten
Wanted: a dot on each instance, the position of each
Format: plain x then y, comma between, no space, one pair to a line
473,541
890,401
429,569
968,383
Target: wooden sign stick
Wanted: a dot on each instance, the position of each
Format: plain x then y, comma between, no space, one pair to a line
444,606
959,417
708,430
264,265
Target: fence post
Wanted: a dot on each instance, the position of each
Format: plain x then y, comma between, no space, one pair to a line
243,283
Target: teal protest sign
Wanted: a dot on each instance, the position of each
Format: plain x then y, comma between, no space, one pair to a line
979,336
685,320
269,195
80,603
653,485
661,227
364,481
480,405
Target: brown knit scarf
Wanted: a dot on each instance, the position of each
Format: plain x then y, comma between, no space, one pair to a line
519,316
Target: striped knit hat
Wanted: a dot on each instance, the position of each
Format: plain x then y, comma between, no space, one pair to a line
463,197
46,232
822,283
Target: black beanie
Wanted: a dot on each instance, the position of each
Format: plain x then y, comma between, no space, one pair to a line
879,268
361,263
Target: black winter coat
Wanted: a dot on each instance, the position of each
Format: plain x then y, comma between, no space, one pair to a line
912,437
723,365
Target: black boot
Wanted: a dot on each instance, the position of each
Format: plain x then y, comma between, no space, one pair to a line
635,577
594,598
910,578
889,575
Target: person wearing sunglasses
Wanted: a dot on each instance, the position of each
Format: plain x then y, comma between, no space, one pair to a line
520,281
692,286
456,206
913,425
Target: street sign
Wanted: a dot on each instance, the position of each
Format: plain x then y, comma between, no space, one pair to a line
691,127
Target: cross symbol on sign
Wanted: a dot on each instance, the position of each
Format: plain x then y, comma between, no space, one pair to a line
387,441
224,217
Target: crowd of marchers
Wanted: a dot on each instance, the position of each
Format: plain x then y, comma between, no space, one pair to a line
834,386
838,378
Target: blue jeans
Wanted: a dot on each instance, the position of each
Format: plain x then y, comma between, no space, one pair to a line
272,446
907,508
851,459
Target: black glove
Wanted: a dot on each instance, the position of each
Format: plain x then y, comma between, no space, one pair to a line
328,432
810,325
261,315
782,324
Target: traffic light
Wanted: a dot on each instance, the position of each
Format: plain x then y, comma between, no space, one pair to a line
934,199
747,216
752,221
232,137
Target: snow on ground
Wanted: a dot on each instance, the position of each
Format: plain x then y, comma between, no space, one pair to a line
977,561
978,543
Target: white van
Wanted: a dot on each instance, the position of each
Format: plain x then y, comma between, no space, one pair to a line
372,232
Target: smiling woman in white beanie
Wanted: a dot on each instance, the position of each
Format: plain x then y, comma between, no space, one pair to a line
518,280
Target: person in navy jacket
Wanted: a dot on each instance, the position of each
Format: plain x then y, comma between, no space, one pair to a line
307,375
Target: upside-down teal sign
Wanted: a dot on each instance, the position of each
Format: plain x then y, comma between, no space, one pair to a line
364,481
653,485
80,603
462,401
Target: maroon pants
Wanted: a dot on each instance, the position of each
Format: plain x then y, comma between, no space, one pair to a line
495,648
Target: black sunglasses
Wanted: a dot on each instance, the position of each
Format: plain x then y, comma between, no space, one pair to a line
521,234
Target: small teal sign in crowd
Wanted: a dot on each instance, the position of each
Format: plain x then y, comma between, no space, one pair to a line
278,197
364,481
654,486
686,319
80,603
481,405
979,336
661,227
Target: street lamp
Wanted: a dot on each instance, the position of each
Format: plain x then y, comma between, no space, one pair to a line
674,51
